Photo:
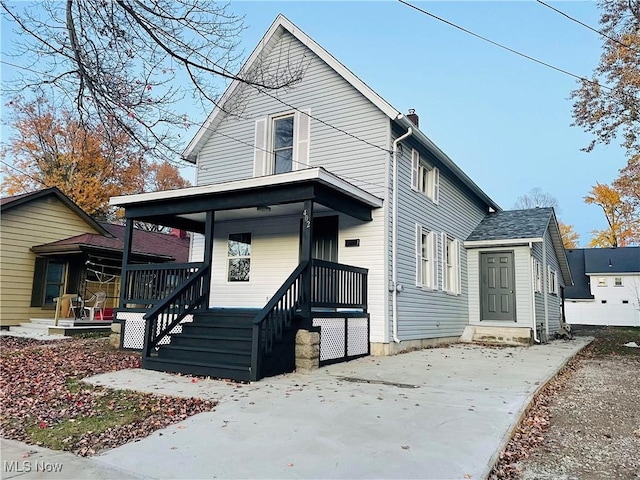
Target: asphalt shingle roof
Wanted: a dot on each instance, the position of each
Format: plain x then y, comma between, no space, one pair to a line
513,224
612,260
580,288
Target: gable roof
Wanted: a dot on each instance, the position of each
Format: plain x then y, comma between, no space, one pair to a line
513,224
520,227
159,245
580,288
8,203
281,25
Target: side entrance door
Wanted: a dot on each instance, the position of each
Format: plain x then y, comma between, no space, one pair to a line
497,286
324,245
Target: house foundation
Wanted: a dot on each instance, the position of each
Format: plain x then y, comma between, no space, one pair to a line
381,349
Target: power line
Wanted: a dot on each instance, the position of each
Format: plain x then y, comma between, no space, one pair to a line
599,32
24,173
504,47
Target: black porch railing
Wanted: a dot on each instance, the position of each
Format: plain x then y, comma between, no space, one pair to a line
148,284
334,285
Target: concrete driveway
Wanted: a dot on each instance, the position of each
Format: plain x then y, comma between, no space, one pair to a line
441,413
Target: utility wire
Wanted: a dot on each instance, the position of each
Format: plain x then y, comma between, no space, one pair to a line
599,32
24,173
504,47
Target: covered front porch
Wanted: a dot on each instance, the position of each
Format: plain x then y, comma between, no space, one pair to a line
264,268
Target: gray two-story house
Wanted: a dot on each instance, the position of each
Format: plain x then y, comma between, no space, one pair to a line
321,208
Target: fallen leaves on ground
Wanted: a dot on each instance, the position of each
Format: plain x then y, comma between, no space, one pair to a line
529,434
45,403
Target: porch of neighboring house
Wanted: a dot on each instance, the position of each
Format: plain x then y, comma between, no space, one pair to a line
211,317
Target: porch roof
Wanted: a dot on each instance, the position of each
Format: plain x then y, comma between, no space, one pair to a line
176,207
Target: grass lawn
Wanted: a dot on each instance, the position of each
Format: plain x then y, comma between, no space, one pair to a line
45,403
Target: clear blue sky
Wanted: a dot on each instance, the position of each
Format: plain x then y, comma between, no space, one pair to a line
503,119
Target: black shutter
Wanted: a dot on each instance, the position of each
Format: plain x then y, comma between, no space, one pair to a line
39,281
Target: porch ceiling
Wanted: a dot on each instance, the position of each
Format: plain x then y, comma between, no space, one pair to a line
185,208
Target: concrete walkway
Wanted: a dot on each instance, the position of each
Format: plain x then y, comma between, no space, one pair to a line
439,414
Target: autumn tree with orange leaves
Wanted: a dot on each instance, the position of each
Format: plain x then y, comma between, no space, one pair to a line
52,148
622,218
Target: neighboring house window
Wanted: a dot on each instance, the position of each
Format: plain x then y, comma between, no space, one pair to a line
281,143
537,272
553,281
48,282
425,179
451,278
617,281
603,301
239,257
602,282
625,302
282,129
426,258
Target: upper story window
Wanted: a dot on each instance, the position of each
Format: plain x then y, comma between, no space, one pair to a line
425,179
602,282
617,281
282,128
281,143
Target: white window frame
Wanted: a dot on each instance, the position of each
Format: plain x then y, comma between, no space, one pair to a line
617,282
425,179
602,281
239,257
272,140
451,265
264,155
426,258
537,275
553,281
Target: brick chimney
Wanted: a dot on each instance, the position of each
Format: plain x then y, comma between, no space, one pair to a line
413,117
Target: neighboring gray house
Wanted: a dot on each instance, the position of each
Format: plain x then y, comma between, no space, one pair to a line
606,288
321,208
517,272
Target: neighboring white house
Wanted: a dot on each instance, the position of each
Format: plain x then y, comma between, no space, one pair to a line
606,288
328,170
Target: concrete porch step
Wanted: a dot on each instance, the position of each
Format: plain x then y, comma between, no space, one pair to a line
33,326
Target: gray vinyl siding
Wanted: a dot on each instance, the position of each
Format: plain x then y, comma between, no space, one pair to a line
554,302
524,287
229,156
539,296
331,99
425,313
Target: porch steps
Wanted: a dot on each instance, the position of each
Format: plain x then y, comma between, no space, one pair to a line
217,343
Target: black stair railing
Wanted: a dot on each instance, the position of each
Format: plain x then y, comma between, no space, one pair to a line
184,300
278,314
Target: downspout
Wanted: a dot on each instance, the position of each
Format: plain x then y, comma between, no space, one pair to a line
394,234
545,288
533,295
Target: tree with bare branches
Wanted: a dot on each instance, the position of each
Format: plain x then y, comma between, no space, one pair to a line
129,63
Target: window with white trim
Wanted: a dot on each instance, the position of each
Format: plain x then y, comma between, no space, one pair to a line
426,258
602,282
617,282
239,257
553,281
537,274
281,143
451,278
425,179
